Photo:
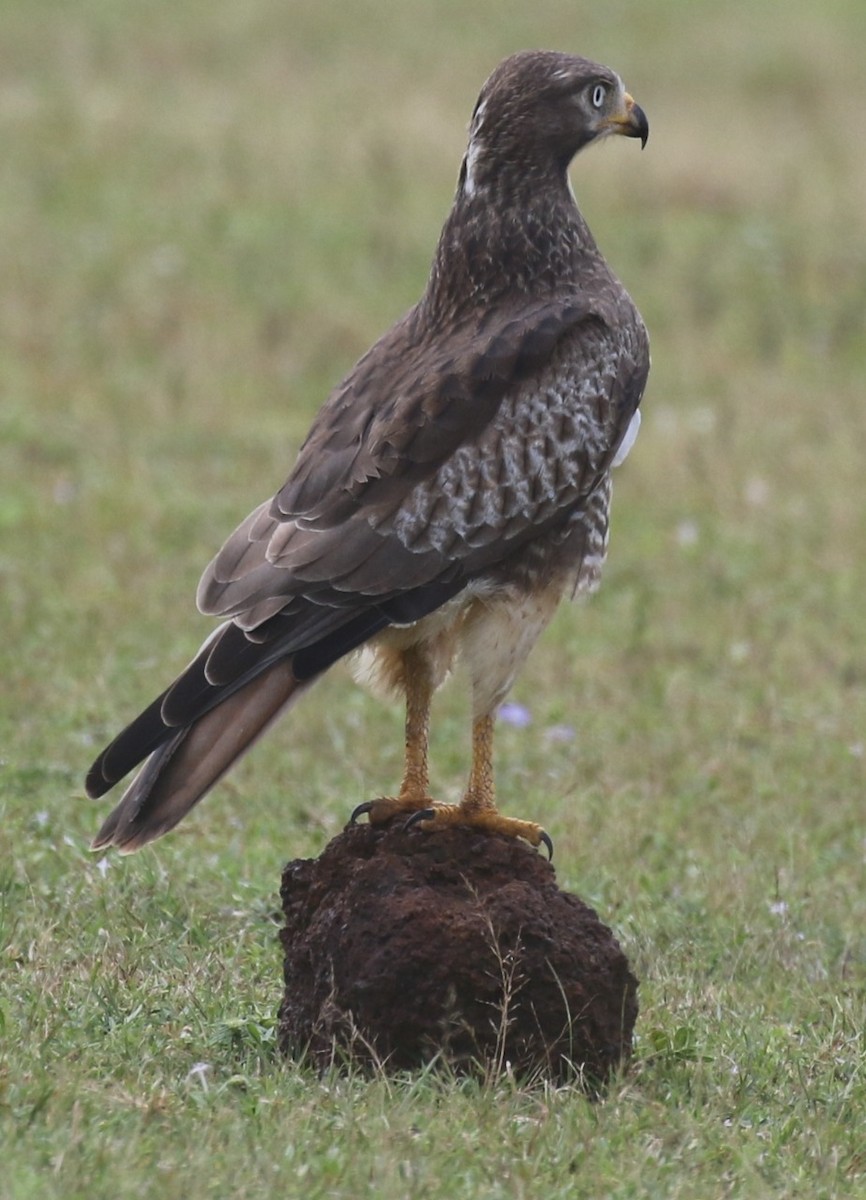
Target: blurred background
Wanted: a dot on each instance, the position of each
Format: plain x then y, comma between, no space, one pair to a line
209,210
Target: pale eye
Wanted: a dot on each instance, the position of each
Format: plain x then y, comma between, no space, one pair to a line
598,95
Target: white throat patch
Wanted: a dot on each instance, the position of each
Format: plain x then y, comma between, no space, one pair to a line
474,149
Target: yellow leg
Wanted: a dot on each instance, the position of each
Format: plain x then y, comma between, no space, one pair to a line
481,792
414,790
477,809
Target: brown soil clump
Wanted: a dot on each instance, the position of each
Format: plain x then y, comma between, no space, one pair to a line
401,946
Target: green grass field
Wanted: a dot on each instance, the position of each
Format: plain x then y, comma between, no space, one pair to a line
207,212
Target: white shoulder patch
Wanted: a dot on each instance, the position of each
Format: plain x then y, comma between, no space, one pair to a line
628,441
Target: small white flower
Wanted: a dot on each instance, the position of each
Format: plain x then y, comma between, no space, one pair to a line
687,533
739,651
198,1071
756,492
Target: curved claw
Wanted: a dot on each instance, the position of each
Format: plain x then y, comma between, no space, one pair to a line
423,814
359,811
429,814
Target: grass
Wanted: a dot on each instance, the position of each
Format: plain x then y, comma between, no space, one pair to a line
208,212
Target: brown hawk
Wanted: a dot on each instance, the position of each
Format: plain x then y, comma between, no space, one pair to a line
451,490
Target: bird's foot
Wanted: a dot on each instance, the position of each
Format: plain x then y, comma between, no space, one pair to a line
488,820
385,808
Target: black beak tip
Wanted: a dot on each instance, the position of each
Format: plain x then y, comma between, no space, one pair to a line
641,124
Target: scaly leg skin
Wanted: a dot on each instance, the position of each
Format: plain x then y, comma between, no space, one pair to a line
414,795
477,809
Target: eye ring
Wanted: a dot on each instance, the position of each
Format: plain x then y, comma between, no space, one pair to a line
598,94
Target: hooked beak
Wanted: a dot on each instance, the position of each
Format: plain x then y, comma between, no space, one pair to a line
631,122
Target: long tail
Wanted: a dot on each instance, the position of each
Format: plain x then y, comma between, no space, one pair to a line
236,685
184,768
200,726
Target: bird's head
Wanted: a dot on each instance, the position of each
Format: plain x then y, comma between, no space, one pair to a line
539,108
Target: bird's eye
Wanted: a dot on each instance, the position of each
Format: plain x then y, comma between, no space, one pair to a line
598,94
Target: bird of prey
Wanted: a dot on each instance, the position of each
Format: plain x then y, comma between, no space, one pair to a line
452,489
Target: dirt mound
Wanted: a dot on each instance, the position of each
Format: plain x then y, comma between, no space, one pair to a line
403,945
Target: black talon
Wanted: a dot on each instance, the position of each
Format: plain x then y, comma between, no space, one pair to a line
545,841
423,814
361,809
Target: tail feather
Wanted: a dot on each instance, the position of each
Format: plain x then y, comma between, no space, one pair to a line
183,769
144,735
236,685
